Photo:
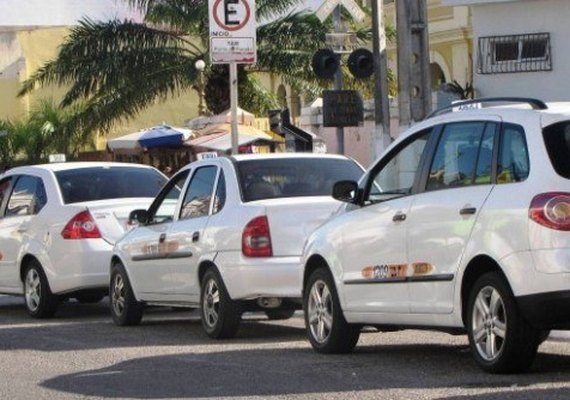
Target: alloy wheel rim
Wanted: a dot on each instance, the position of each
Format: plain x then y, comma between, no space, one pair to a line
320,311
118,295
211,303
489,323
33,289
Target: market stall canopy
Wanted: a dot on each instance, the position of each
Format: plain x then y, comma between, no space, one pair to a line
218,137
244,118
158,136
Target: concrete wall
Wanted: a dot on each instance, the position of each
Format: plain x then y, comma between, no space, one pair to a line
519,17
26,13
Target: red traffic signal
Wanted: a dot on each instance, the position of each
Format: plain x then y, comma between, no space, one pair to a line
361,63
325,63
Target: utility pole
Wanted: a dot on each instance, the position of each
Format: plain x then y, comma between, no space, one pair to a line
338,81
381,135
414,86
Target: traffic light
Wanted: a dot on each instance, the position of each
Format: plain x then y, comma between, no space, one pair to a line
361,63
325,63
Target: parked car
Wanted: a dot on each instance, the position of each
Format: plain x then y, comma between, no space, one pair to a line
58,225
226,235
462,226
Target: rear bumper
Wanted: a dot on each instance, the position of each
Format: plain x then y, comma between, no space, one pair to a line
82,264
546,310
251,278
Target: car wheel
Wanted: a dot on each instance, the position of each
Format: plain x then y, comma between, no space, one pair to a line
89,298
501,340
221,315
40,302
326,326
279,314
125,309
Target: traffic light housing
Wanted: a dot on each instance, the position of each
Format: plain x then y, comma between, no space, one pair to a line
325,63
361,63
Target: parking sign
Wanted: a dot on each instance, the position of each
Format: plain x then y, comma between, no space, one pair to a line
232,31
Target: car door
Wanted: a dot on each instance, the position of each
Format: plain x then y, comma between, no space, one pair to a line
18,223
185,236
149,269
442,217
373,251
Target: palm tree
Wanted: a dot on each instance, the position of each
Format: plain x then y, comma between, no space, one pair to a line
44,131
118,68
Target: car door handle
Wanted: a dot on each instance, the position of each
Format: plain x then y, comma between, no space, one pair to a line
162,238
399,217
195,237
467,211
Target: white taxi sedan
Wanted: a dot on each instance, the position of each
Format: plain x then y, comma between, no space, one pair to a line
226,235
58,225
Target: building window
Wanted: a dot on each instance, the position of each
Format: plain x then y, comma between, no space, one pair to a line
514,53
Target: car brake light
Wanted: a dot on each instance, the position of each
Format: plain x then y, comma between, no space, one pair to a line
551,210
81,226
256,238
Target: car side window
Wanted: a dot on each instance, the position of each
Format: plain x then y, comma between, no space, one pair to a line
220,197
396,177
165,209
456,159
4,192
28,196
198,196
513,163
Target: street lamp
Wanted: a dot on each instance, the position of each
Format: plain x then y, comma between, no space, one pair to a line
200,65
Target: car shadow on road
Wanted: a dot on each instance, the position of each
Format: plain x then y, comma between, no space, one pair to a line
277,371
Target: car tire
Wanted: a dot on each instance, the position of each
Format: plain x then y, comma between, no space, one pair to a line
40,302
220,314
501,340
279,314
125,309
326,326
89,298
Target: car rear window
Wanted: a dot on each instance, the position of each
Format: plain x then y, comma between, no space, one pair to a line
293,177
557,140
100,183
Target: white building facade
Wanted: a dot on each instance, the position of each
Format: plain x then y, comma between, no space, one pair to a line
520,47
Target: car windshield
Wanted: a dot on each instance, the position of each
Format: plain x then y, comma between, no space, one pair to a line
293,177
99,183
557,140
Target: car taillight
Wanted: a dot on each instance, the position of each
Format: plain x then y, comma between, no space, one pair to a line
256,238
81,226
551,210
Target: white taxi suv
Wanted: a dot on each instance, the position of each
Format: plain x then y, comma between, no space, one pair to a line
58,225
226,235
462,225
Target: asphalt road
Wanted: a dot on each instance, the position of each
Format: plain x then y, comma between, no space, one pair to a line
80,354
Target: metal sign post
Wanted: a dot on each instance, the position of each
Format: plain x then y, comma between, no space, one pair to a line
233,41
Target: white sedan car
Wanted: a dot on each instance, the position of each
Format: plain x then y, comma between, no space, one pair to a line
226,235
58,225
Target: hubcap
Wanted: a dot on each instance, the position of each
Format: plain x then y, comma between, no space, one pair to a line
32,289
118,295
211,303
489,323
320,311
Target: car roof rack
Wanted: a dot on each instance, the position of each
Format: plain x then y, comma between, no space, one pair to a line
534,103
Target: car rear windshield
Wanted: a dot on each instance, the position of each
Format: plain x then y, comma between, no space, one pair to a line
293,177
557,140
100,183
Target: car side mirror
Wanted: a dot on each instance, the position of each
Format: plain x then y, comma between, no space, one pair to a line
345,191
138,217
